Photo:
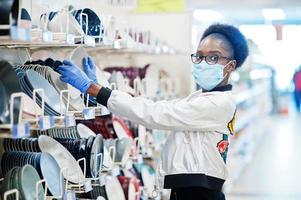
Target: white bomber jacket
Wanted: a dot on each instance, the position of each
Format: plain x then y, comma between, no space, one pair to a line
195,154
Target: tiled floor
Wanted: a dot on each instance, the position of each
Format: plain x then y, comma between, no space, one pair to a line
275,172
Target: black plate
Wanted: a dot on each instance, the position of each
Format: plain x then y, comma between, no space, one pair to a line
88,154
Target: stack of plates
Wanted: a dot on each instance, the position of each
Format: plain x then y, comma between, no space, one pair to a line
24,179
54,79
66,162
44,163
57,132
85,132
32,80
13,159
21,144
86,148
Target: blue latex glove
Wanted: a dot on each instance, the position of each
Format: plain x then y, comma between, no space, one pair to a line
90,68
74,76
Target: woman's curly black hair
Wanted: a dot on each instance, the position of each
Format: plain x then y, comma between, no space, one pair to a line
234,36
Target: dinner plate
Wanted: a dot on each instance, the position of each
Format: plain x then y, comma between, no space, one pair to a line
96,162
89,146
10,81
123,150
121,129
70,167
28,177
84,131
107,159
113,189
50,171
52,98
4,102
148,177
77,56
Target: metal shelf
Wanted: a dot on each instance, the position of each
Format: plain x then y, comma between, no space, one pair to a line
8,44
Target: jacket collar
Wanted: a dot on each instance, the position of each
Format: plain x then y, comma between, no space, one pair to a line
223,88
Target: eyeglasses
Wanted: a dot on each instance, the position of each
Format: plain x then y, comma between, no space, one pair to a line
210,59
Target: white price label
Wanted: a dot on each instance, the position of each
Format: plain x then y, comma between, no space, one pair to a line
47,36
116,171
21,130
24,34
102,180
70,121
88,186
89,113
46,122
89,40
70,39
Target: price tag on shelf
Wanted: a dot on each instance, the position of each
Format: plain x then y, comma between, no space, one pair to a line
47,36
70,121
89,40
21,130
88,186
46,122
89,113
24,34
102,180
70,39
116,171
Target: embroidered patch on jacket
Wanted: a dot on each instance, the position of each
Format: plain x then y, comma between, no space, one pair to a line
222,147
232,123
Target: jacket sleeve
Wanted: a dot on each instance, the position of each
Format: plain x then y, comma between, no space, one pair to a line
196,114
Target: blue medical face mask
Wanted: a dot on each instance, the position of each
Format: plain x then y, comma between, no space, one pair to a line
208,76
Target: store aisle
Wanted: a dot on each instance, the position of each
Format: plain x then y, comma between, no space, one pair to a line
274,173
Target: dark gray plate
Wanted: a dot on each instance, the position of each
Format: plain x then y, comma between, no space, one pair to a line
52,98
11,83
